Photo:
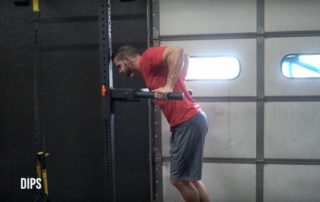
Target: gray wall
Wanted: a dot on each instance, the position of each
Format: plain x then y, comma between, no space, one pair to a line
242,132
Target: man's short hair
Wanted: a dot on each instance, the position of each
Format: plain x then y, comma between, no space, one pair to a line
121,51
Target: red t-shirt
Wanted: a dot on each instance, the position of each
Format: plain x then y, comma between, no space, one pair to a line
155,72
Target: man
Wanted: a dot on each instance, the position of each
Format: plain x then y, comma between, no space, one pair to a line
164,70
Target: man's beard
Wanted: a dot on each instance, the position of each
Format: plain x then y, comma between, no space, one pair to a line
129,74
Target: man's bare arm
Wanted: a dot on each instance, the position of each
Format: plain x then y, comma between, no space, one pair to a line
185,67
173,57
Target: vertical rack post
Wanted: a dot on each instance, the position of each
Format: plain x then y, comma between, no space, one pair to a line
107,84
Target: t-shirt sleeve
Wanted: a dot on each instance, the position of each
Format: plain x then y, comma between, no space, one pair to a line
155,55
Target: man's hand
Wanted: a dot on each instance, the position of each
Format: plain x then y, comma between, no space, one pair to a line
161,93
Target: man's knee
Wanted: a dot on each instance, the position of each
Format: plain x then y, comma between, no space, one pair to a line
197,183
175,183
179,183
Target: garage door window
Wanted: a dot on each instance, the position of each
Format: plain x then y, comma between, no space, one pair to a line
301,66
213,68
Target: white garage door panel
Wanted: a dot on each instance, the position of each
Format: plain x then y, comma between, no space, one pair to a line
292,130
275,50
232,130
291,15
225,182
294,183
207,16
242,49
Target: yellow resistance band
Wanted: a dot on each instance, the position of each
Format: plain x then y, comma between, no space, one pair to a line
35,5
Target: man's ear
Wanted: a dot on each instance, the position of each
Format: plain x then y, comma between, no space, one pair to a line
126,57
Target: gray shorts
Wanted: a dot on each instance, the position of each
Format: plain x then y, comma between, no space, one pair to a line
186,153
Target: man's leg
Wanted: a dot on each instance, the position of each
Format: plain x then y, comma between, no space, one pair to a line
187,142
203,193
188,190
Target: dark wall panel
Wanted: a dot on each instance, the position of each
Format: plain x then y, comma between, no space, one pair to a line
73,124
69,98
129,26
132,152
17,147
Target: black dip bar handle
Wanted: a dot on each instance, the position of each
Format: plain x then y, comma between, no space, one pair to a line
145,93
